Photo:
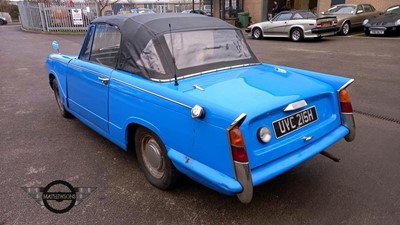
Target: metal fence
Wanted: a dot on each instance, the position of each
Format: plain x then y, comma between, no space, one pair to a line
57,17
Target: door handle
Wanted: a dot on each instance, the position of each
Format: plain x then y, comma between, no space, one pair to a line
104,80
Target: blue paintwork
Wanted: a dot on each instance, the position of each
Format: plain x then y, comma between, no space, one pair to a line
200,147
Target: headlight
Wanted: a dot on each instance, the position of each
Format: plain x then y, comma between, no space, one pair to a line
397,23
264,134
365,22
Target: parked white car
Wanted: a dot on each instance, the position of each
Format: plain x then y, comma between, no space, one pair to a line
296,25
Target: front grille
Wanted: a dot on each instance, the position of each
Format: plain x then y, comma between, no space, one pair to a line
379,24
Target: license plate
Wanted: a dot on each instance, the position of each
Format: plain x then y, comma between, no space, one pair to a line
326,24
295,121
377,32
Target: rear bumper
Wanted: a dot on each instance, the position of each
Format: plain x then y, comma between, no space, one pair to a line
230,186
322,30
283,164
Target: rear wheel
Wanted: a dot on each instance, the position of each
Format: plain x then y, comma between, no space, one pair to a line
296,34
345,28
60,104
257,33
153,160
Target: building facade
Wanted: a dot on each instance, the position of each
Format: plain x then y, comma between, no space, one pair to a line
259,10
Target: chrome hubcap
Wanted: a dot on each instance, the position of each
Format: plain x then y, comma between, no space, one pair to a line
152,157
296,35
345,28
257,33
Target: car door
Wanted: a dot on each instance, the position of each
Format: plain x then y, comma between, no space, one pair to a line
89,74
361,15
278,25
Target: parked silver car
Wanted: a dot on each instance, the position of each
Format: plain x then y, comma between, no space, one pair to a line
296,25
3,21
351,16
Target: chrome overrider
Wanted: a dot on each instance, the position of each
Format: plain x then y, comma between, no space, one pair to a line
348,121
242,169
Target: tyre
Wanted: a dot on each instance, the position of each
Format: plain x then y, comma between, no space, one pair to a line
345,28
1,22
153,160
257,33
60,104
296,34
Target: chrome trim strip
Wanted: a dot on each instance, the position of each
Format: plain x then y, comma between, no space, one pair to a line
88,70
346,84
295,105
243,175
237,122
204,72
349,122
63,62
152,93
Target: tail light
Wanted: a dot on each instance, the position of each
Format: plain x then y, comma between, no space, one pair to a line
238,147
345,102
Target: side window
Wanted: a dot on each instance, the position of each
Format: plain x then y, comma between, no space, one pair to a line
85,54
360,9
297,16
368,8
283,17
105,47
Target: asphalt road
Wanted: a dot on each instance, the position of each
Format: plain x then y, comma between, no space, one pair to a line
39,146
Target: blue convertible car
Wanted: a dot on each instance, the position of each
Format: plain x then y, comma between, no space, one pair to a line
188,95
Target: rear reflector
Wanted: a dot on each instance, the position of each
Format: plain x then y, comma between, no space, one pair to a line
238,147
345,101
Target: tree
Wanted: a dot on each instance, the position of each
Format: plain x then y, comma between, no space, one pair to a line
102,4
12,9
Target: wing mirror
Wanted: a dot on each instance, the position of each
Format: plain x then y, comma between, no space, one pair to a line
360,11
55,46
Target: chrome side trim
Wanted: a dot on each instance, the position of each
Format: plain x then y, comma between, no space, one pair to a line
243,175
63,62
152,93
204,72
295,105
346,84
349,122
87,70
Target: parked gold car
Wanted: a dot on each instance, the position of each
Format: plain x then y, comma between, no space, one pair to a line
351,16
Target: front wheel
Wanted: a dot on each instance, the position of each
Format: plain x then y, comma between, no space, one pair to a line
153,160
296,34
257,33
60,104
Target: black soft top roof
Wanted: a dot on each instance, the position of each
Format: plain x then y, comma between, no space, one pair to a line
137,30
152,24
